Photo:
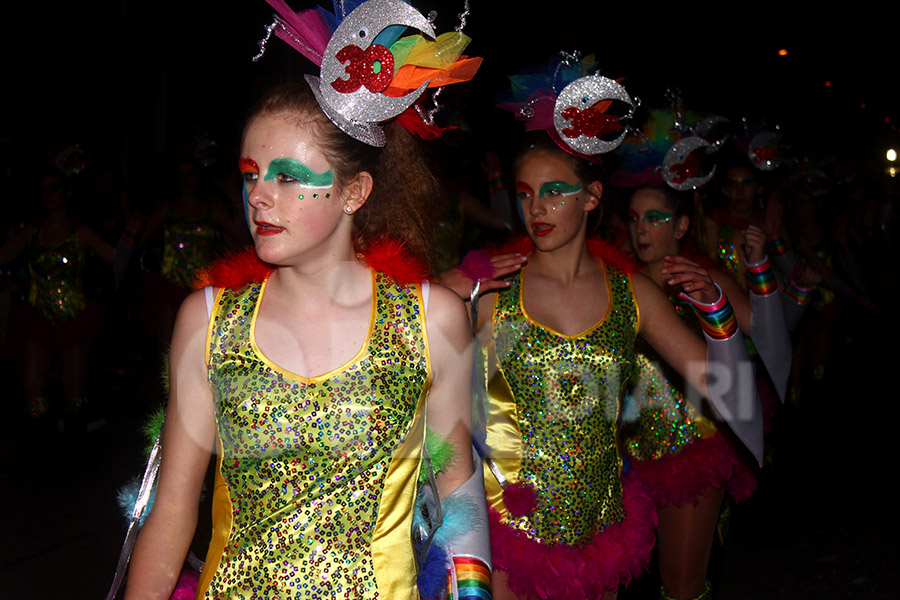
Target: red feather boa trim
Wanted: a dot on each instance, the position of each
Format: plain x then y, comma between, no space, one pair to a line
234,270
597,246
237,269
613,557
391,258
705,463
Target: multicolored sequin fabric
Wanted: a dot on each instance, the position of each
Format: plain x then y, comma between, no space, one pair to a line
55,279
306,463
659,421
566,393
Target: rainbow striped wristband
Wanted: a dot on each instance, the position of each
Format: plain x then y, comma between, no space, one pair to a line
473,579
800,295
776,246
495,182
761,278
716,319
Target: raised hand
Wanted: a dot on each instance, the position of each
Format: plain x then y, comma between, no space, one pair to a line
693,279
480,267
754,244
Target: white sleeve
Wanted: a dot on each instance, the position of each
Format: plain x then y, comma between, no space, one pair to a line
210,298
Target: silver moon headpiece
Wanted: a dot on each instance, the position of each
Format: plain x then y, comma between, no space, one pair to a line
574,119
764,151
355,71
682,165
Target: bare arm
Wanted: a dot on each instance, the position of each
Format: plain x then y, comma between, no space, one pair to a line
663,329
449,404
188,441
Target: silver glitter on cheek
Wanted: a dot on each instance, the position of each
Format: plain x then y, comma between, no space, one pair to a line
581,95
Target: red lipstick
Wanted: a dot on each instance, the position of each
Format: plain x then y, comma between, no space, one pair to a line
540,229
264,228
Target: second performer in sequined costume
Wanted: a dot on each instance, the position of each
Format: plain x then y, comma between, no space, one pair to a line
560,342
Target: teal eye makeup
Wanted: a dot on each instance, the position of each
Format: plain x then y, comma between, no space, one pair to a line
295,169
657,217
560,188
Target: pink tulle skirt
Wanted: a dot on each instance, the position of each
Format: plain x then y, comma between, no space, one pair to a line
186,588
709,462
612,558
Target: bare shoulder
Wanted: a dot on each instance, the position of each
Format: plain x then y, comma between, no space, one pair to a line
653,305
645,290
193,316
446,312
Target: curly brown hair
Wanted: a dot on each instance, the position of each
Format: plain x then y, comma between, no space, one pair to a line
404,203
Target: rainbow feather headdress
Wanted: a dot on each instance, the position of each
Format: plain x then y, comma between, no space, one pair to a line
580,109
369,71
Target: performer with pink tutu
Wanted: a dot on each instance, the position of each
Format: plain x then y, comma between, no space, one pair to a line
687,457
567,519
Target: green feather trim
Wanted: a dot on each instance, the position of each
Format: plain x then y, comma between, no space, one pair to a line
152,427
440,451
164,373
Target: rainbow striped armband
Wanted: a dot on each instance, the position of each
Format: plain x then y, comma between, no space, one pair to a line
470,579
495,182
800,295
716,319
776,246
761,278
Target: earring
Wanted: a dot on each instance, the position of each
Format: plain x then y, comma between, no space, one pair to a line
348,210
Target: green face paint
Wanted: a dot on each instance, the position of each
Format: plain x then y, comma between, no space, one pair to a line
657,217
559,188
293,168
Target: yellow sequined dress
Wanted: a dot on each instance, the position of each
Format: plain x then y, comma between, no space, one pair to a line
316,477
554,404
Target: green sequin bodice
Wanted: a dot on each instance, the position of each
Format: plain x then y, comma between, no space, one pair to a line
306,461
567,392
55,278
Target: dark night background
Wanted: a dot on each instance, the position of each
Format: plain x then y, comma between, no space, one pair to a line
132,79
129,81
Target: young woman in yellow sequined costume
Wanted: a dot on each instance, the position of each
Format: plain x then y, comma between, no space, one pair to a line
565,521
313,384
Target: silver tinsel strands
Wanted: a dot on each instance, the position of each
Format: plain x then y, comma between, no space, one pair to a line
568,60
463,16
262,43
